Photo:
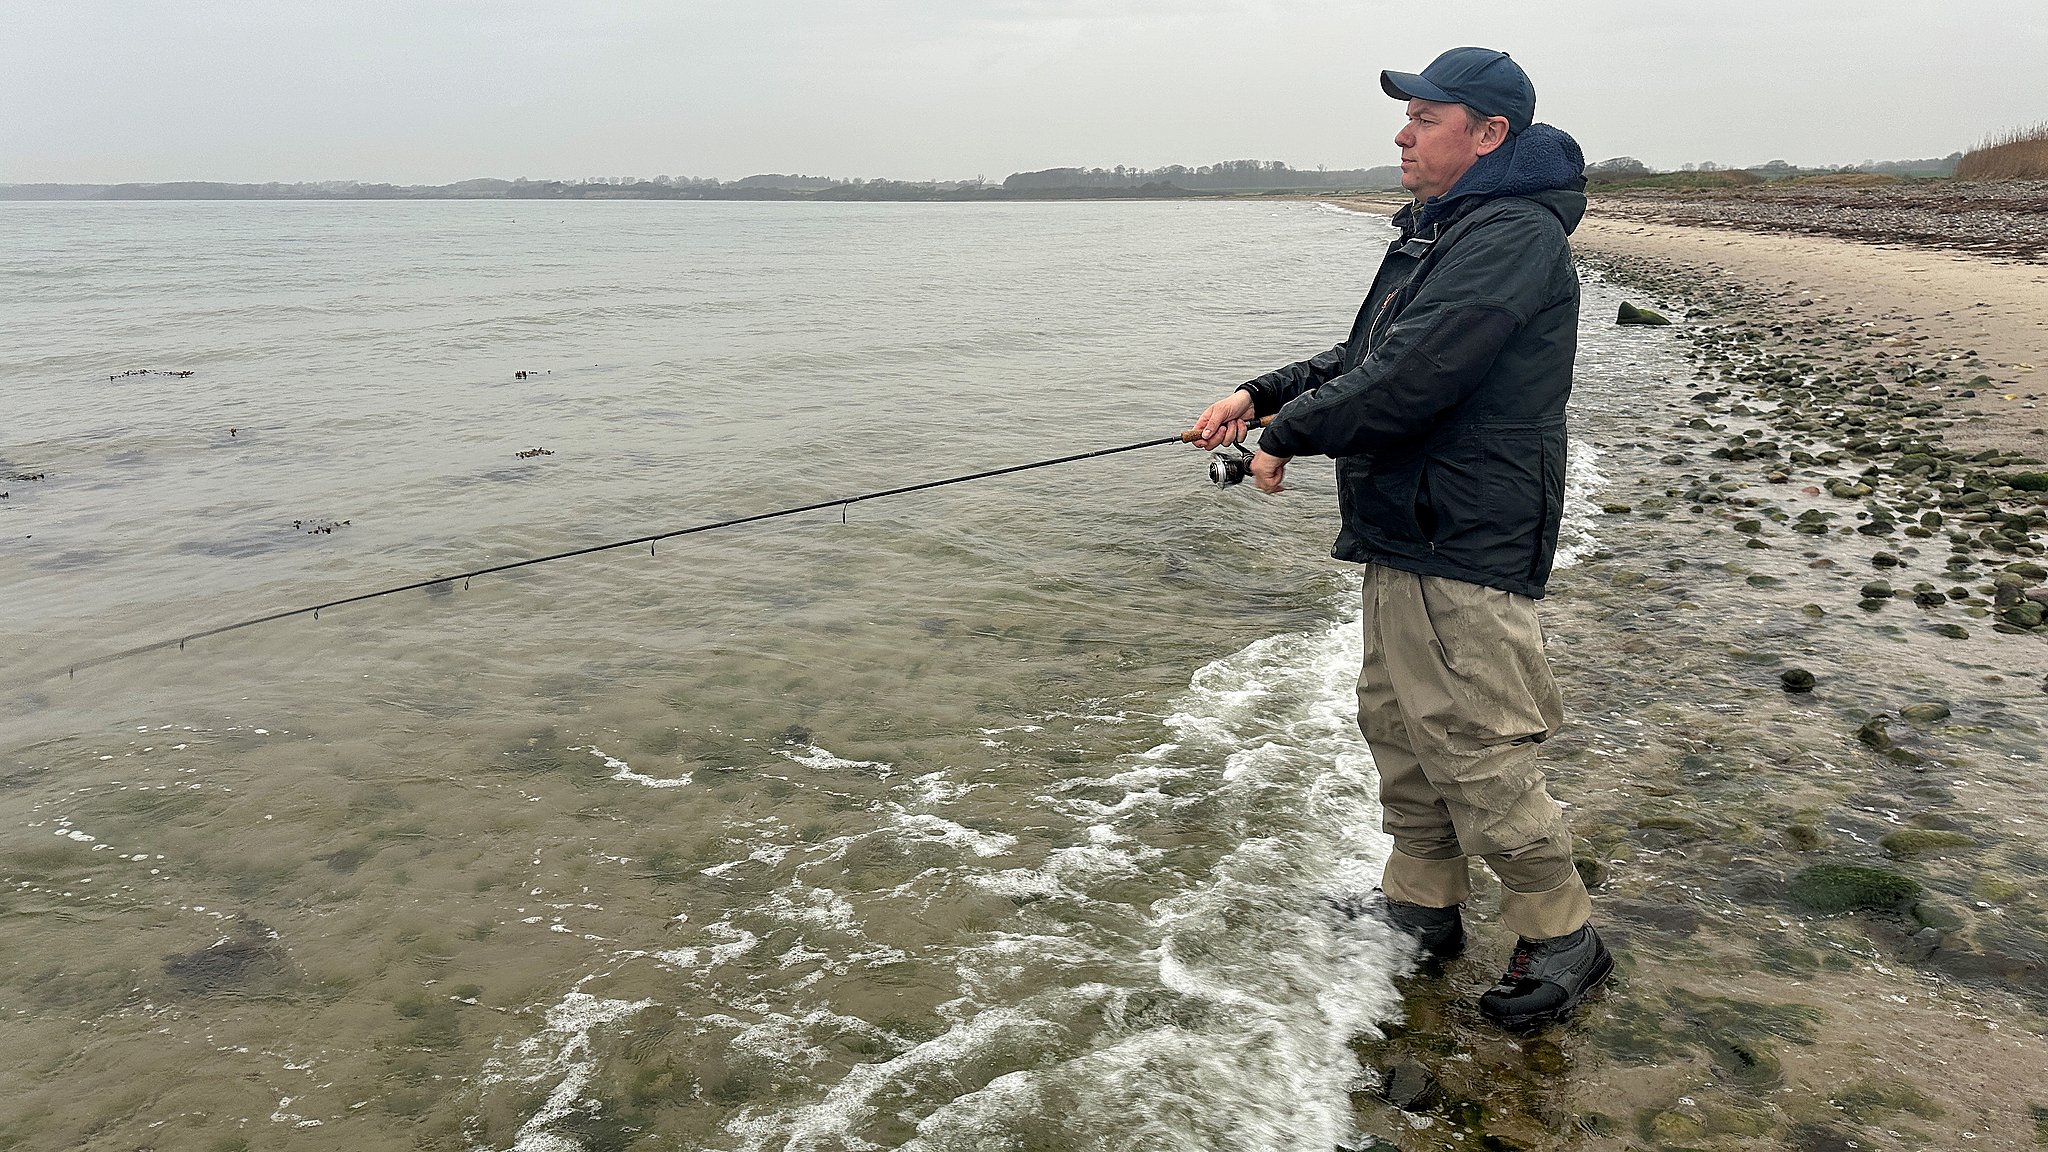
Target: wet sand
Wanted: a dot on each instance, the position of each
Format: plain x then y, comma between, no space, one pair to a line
1828,905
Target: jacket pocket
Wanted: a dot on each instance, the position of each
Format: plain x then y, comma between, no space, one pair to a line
1390,501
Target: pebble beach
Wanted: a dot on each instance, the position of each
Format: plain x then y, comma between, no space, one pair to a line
1805,684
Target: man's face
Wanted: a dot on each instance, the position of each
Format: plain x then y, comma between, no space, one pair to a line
1437,146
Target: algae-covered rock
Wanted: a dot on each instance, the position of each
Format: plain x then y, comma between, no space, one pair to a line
1852,888
1873,735
1953,631
1631,314
1796,680
1802,837
2028,481
1908,843
1592,871
1932,712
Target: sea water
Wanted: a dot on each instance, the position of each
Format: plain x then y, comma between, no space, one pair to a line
1007,815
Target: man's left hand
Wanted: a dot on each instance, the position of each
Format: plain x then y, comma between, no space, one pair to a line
1266,473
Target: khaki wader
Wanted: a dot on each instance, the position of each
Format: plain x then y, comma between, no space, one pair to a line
1454,698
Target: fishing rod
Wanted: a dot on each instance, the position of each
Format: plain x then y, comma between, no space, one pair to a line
1224,470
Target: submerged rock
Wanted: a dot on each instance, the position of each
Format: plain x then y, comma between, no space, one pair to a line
1929,713
1408,1086
1907,843
1796,680
1852,888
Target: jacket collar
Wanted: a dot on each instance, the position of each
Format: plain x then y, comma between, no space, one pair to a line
1537,159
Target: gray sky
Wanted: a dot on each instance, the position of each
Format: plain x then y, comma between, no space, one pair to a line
440,90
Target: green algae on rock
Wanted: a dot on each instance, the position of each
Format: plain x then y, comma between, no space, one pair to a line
1634,314
1907,843
1852,888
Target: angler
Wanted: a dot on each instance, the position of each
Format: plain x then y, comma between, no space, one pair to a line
1445,411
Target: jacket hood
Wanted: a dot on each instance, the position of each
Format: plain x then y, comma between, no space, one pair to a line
1540,162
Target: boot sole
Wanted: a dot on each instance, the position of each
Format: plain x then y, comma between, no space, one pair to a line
1537,1020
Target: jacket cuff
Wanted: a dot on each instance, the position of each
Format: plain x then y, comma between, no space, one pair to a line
1274,441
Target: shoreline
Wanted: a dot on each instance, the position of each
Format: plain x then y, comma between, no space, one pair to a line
1827,905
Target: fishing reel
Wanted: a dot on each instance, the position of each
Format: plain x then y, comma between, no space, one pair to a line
1225,471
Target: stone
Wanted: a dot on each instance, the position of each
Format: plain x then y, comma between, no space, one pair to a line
1878,590
1796,680
1929,713
1408,1086
1592,871
1873,735
1852,888
1632,314
1910,843
1884,560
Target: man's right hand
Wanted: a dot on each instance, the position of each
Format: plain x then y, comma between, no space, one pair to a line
1227,421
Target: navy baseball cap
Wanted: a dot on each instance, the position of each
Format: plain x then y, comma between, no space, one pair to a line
1482,79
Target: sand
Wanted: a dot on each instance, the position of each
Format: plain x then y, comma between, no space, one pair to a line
1947,303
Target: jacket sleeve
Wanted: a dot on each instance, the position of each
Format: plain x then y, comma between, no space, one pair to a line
1493,279
1276,388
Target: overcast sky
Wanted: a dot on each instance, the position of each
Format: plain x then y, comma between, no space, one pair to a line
440,90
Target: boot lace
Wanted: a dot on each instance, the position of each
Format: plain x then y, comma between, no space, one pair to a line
1518,964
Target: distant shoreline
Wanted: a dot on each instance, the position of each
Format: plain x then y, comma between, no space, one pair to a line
876,191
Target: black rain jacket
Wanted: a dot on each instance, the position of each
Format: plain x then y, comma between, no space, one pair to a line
1445,407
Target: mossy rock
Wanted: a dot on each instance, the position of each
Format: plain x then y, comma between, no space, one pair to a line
1932,712
2026,481
1908,843
1852,888
1802,837
1631,314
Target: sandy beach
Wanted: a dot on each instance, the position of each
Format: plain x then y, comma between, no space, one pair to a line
1829,900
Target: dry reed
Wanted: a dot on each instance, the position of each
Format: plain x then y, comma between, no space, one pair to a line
2016,154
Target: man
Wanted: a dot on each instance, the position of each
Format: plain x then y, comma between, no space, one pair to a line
1445,412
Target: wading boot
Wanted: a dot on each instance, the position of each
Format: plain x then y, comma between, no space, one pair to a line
1439,932
1546,979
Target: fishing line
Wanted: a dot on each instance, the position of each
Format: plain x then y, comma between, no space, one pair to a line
842,503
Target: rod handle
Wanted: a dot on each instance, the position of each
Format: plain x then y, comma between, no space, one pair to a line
1189,436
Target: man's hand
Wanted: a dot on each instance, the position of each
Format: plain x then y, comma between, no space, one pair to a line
1227,421
1266,473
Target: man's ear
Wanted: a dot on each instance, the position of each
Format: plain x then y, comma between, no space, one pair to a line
1494,134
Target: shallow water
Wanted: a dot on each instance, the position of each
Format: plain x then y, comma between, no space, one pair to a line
1000,816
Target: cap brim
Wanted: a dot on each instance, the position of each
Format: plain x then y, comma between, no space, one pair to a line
1409,86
